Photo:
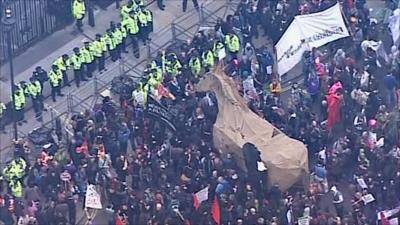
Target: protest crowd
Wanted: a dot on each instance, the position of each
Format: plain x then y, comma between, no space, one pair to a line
147,170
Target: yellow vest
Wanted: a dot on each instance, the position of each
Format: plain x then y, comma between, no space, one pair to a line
34,89
20,100
131,24
55,78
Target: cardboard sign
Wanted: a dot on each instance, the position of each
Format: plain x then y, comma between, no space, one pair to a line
368,198
304,221
362,183
93,199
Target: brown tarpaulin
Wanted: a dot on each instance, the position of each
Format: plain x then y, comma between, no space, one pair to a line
236,124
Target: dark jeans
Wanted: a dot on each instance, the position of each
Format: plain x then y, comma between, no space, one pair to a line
55,91
19,115
195,3
135,45
114,54
65,78
160,4
88,71
78,77
101,63
38,106
79,23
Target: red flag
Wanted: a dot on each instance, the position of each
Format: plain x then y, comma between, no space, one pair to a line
384,220
216,211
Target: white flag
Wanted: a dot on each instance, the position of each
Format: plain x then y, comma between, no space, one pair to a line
200,197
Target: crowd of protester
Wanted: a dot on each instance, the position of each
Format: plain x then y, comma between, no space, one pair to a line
345,109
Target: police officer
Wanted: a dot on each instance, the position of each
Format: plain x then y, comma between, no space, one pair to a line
217,48
78,11
97,48
112,45
233,44
124,35
76,63
34,89
127,9
208,59
149,17
2,112
195,64
87,59
117,38
131,24
142,18
55,77
41,75
19,105
172,65
62,64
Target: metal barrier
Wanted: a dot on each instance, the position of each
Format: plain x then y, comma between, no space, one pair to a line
35,21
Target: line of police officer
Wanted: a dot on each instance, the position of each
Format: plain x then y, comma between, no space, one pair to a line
168,66
137,24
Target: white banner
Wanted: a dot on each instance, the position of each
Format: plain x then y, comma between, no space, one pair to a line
92,199
307,32
290,48
323,27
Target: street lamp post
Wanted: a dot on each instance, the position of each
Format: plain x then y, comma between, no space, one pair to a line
8,21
